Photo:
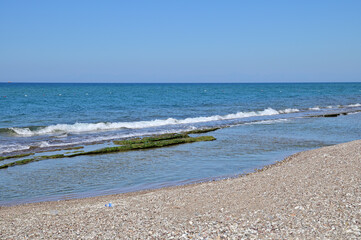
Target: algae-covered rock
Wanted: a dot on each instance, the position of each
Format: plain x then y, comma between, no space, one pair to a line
16,156
205,130
166,136
29,160
146,143
156,141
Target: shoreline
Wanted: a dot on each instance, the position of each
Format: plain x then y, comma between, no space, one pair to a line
136,190
149,188
315,193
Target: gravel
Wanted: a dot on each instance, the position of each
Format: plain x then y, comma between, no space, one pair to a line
310,195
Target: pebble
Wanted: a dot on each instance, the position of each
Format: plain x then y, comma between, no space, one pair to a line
310,195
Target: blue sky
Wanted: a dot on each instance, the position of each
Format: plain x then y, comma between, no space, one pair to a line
180,41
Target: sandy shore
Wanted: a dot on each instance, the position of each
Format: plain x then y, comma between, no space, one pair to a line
313,194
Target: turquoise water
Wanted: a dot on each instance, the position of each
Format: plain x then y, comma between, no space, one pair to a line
266,122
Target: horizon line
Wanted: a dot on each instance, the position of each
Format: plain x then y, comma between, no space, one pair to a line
14,82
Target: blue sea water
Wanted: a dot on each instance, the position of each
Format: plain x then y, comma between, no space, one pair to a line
264,123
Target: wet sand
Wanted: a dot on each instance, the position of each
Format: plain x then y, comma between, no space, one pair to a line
312,194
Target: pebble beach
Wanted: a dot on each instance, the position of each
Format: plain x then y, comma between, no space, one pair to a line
314,194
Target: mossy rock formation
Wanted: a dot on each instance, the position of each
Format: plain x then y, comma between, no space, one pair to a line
29,160
148,142
16,156
205,130
125,145
156,138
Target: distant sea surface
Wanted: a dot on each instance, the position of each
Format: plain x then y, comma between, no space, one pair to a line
264,123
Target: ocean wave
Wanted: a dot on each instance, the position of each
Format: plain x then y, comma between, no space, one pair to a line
354,105
106,126
289,110
45,144
267,122
7,148
317,108
12,148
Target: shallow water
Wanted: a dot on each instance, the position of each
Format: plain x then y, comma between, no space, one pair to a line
267,123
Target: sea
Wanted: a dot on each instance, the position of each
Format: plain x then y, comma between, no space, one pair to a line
260,124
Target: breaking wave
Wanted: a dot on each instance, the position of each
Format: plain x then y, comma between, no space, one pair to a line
354,105
267,122
106,126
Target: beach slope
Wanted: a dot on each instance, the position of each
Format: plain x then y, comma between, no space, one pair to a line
312,194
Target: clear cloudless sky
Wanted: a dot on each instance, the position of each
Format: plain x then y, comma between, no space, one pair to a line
180,41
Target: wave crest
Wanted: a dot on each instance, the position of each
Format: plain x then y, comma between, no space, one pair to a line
106,126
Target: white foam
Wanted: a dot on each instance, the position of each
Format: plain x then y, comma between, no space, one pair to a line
289,110
44,144
22,131
351,113
12,148
315,108
354,105
267,122
105,126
